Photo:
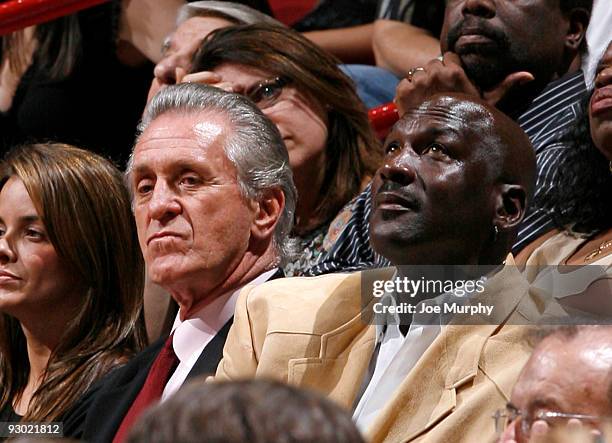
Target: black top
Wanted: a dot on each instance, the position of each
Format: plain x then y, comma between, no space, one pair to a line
72,421
101,410
333,14
96,107
8,413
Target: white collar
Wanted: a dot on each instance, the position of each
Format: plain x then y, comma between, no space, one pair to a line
190,334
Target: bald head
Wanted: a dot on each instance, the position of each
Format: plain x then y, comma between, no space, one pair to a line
454,185
570,371
503,142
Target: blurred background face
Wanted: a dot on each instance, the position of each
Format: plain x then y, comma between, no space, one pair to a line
180,47
567,376
600,110
301,121
497,37
33,278
193,222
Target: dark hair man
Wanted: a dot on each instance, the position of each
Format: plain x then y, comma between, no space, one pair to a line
454,186
246,411
516,55
566,382
213,198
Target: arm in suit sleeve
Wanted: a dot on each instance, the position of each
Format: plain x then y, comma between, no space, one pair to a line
239,356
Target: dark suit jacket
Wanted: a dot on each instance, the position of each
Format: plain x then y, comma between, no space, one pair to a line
103,408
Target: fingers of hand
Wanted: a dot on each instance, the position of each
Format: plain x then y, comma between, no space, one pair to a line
205,77
512,80
179,73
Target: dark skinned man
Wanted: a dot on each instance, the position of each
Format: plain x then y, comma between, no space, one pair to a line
453,189
517,55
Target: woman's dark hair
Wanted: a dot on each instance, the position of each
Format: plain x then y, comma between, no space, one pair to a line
353,152
580,199
57,52
254,411
86,212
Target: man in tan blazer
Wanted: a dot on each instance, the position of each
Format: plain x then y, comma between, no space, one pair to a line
453,188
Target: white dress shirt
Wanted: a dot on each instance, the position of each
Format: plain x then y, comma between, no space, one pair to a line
396,357
192,335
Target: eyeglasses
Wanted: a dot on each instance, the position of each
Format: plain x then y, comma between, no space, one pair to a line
267,92
503,417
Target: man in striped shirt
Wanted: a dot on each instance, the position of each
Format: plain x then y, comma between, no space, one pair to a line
521,57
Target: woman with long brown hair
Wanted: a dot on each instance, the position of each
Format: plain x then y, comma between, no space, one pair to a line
333,151
71,278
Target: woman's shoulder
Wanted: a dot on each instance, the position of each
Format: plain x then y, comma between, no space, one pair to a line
550,249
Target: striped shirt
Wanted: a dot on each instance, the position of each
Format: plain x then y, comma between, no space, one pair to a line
549,117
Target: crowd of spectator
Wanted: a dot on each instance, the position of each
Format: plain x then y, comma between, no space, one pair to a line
204,239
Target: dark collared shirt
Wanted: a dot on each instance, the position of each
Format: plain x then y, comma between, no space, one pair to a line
549,117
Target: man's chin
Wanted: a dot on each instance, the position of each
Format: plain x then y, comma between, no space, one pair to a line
484,71
387,239
164,272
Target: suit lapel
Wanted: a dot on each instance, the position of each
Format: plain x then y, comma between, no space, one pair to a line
211,355
428,394
278,274
345,351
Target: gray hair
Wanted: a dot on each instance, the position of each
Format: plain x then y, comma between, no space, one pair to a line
254,146
234,12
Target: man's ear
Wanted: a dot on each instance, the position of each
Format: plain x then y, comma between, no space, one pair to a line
578,19
510,206
267,212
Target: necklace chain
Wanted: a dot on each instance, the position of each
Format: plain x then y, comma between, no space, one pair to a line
602,247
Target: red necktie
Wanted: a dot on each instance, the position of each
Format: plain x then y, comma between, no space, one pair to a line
159,374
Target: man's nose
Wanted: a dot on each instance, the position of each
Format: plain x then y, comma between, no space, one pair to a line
604,78
400,172
164,204
480,8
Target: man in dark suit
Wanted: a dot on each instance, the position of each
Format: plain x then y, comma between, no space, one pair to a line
213,198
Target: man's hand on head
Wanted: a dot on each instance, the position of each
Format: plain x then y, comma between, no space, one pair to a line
437,76
447,75
205,78
504,89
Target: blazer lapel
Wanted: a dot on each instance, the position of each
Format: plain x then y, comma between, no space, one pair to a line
278,274
428,394
345,351
210,357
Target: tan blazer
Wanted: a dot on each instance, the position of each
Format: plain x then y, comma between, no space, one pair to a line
309,332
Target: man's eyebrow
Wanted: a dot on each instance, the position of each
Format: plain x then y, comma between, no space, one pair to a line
437,131
178,166
545,402
139,169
